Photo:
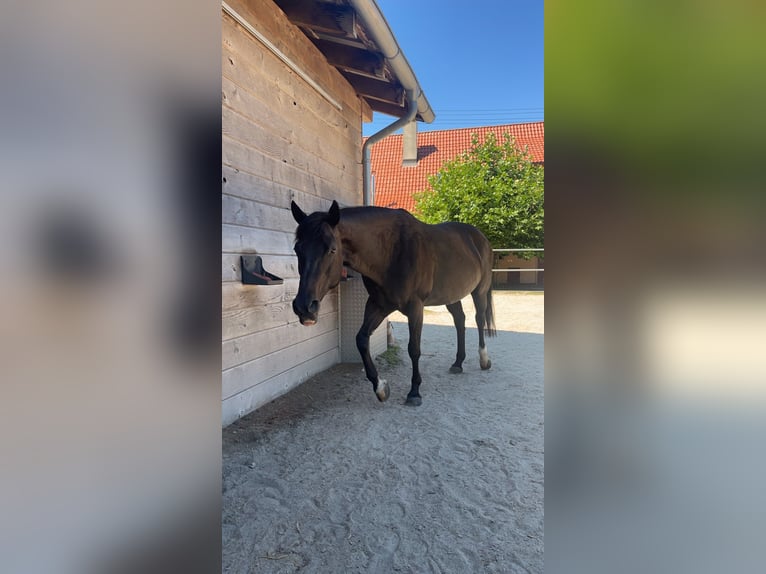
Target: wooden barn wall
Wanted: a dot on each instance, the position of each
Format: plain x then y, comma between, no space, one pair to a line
281,141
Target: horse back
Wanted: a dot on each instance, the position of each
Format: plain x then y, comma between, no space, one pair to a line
438,264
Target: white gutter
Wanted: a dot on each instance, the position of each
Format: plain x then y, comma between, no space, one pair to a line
380,33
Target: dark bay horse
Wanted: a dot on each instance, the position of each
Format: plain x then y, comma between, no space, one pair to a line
405,265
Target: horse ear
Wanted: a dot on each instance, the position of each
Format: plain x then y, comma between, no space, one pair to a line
298,214
334,215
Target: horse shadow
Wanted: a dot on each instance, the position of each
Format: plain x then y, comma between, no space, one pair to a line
517,361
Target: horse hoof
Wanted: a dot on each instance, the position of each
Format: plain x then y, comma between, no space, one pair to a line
413,401
453,369
382,391
486,366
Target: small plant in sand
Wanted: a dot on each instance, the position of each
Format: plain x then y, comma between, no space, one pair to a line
390,356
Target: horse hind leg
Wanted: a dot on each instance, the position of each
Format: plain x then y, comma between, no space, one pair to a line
484,359
480,301
456,310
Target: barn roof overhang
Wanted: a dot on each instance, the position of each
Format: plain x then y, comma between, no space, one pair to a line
355,38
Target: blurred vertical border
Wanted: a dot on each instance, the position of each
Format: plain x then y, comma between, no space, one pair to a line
110,147
656,302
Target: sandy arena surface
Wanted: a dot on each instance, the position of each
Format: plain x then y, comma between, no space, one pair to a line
328,480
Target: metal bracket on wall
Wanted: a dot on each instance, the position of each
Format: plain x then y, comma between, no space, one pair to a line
253,272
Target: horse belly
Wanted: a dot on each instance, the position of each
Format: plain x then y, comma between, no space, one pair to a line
433,301
451,287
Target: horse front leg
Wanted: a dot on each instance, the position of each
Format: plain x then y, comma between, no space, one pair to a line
415,322
373,317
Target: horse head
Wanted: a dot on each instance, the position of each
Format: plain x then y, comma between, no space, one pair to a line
320,259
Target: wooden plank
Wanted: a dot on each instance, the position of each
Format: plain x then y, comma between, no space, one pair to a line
327,154
243,349
253,96
240,128
248,50
239,239
248,213
295,45
271,22
390,109
239,183
246,375
268,86
331,18
241,322
247,401
237,127
377,89
259,97
366,111
238,96
240,159
239,296
245,321
245,158
352,59
237,155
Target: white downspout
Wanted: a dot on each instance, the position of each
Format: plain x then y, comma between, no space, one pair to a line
412,108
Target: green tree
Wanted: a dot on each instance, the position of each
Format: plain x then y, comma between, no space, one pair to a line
494,186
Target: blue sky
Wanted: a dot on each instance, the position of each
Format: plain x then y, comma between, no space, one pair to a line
479,63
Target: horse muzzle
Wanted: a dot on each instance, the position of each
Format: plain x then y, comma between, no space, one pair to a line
307,314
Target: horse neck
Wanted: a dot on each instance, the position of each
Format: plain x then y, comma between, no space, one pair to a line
361,247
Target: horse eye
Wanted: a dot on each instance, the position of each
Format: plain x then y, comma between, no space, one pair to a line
333,250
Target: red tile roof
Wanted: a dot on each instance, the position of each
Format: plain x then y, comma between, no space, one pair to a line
395,185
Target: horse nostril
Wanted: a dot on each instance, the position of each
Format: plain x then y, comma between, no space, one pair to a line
314,307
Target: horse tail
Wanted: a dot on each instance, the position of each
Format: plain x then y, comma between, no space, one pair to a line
489,315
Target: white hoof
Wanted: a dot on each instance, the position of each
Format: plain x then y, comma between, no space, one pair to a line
484,359
382,392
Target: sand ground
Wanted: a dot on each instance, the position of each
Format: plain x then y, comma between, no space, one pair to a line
326,479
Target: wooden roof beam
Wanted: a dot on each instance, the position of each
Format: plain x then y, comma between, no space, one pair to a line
390,109
325,17
352,59
376,89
